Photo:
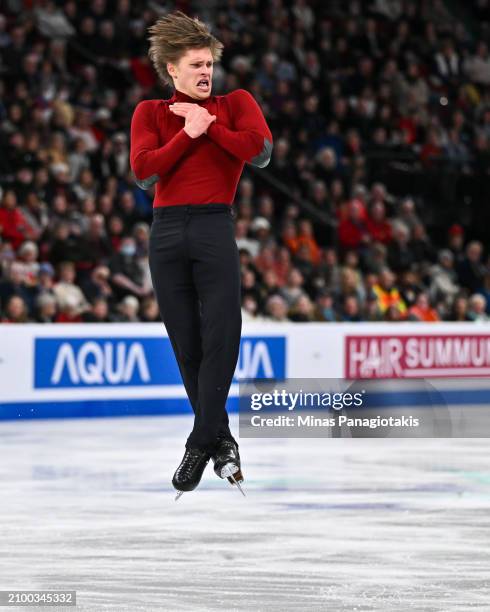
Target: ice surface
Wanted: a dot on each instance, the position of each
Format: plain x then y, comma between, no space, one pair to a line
327,524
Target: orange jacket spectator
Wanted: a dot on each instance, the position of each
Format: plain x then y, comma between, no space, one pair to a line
290,237
313,247
422,310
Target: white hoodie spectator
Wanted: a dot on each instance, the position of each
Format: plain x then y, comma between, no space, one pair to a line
476,308
65,290
477,66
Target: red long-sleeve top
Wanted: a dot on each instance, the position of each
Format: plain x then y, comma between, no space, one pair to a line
13,226
198,170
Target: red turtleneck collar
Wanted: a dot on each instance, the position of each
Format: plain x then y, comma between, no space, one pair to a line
179,96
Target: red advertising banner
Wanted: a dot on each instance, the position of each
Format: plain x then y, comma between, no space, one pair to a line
417,356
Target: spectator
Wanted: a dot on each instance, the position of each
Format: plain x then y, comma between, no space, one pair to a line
115,231
260,228
471,270
277,309
456,242
242,239
98,284
141,234
36,215
15,310
443,285
13,225
98,312
371,310
302,310
127,275
69,295
266,208
65,245
447,64
250,309
375,258
95,247
459,310
400,255
149,312
46,308
303,262
69,310
45,282
328,272
282,265
250,285
353,231
128,309
410,286
28,253
477,308
269,285
293,288
477,66
350,284
407,214
420,245
388,295
351,311
325,307
265,260
14,284
422,311
307,239
485,290
378,227
290,237
393,314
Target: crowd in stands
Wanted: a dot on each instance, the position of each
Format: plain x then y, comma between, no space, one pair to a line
375,206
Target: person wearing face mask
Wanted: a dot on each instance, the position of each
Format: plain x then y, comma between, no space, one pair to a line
193,148
126,273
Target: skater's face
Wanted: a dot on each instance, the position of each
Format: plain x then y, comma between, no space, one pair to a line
192,68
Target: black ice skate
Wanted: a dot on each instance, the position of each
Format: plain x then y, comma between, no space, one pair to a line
188,475
227,463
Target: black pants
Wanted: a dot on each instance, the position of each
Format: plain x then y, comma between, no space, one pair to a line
195,271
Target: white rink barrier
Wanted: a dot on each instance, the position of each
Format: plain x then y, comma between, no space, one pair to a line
121,369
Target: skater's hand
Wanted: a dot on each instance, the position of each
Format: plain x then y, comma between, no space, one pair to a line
197,118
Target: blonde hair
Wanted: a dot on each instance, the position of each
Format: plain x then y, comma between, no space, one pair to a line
171,37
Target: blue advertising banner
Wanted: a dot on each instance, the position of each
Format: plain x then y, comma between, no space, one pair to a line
63,362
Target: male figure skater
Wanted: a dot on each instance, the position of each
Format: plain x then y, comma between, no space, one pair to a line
194,147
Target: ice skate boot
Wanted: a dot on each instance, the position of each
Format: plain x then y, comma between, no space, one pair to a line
188,475
227,463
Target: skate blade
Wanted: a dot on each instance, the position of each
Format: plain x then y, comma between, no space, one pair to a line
230,473
179,494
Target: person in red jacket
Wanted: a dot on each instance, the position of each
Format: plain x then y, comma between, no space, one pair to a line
193,148
353,231
13,225
378,226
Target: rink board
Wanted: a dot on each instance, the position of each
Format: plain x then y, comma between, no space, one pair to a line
53,371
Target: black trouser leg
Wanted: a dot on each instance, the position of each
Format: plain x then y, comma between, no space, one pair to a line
195,273
216,273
